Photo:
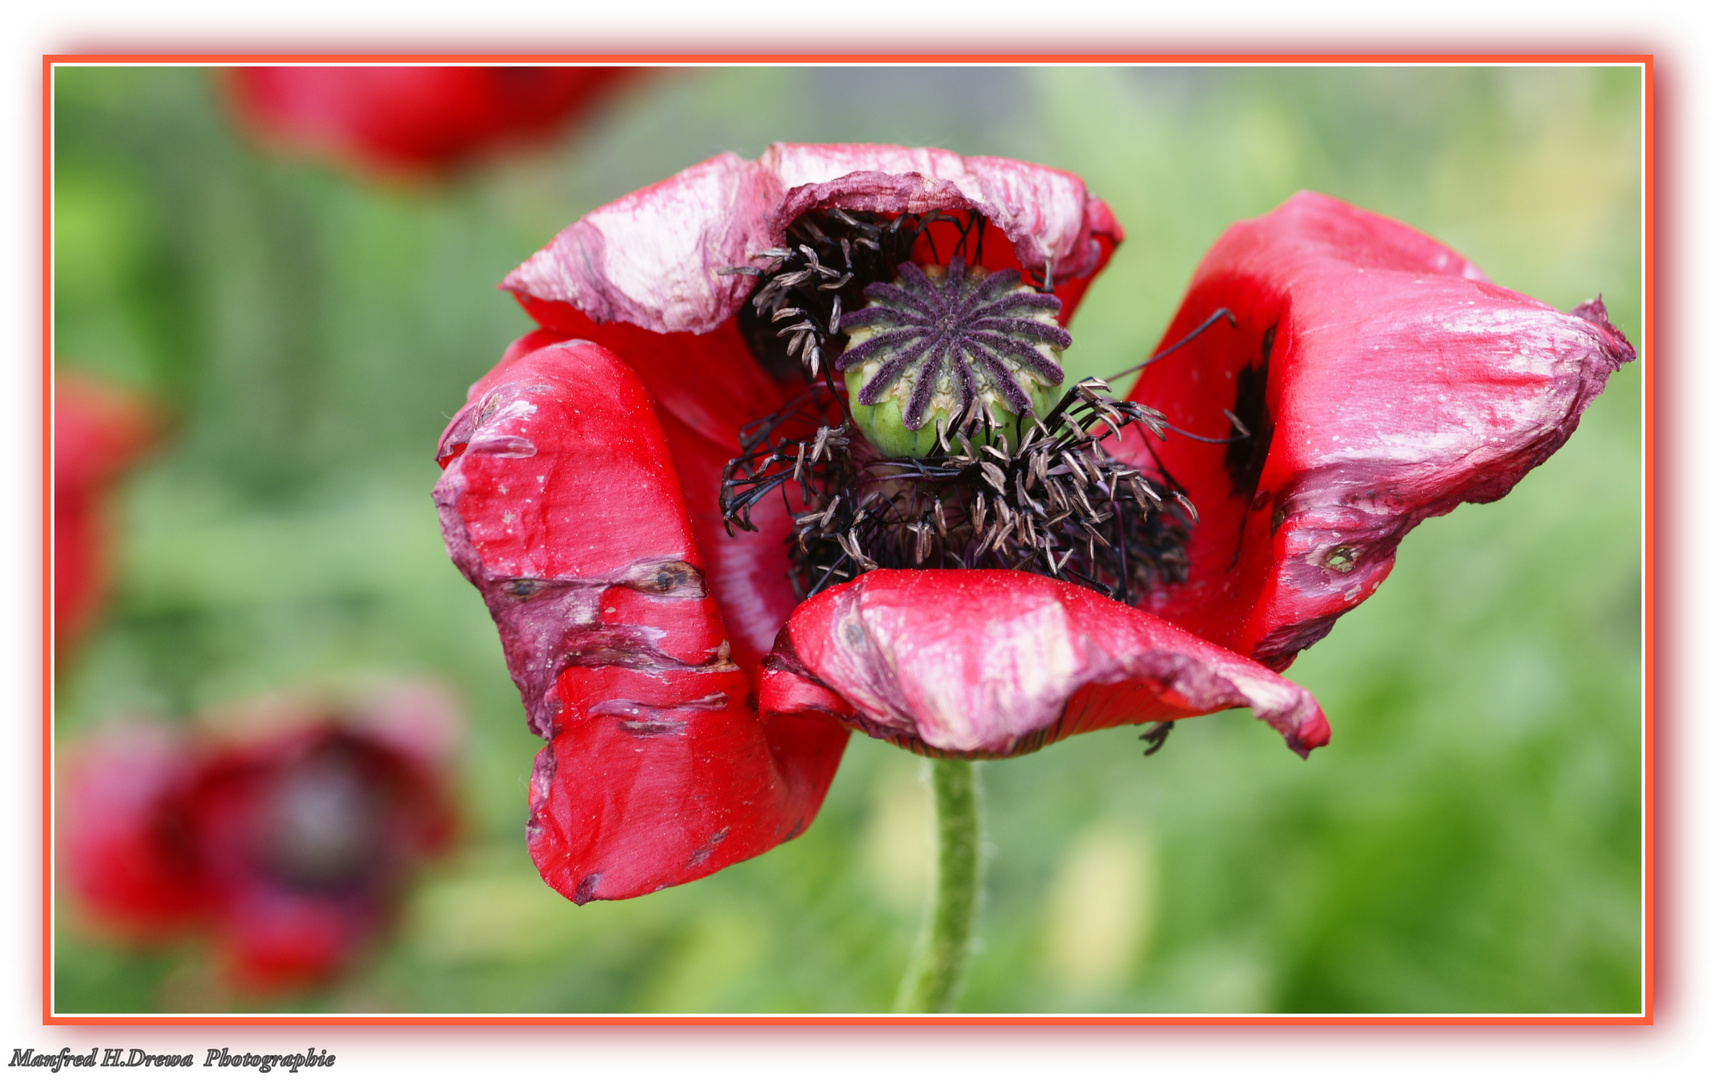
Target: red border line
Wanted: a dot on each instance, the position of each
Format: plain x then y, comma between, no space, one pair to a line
862,1020
811,59
1648,357
1646,62
48,567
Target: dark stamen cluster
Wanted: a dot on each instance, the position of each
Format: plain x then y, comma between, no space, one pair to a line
1056,504
828,257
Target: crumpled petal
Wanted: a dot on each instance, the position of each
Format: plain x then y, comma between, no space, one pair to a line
652,258
1384,380
994,663
562,504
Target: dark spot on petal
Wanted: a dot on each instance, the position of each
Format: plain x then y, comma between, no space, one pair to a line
1245,458
587,887
522,588
670,578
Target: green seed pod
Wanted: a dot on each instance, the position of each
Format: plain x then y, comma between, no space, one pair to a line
932,343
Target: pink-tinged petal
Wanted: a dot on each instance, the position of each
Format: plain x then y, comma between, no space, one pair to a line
649,258
1045,213
1386,381
122,848
997,663
562,504
652,258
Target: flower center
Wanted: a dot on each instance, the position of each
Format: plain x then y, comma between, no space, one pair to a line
1054,502
321,829
933,344
952,443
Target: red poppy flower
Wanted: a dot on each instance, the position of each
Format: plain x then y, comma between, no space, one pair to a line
643,489
286,833
100,431
411,120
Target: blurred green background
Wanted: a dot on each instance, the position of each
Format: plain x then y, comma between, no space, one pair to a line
1471,841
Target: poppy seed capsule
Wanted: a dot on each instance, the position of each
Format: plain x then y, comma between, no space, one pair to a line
933,343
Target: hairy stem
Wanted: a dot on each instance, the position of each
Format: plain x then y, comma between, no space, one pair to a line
934,977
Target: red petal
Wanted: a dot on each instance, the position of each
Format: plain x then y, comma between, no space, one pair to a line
1399,384
651,258
993,663
709,382
411,119
708,400
565,510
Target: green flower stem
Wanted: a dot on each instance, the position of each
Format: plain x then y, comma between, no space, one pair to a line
934,977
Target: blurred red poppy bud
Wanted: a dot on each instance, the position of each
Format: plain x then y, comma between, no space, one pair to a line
412,121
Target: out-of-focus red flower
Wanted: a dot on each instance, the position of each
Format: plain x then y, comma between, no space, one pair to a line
100,431
286,831
696,708
409,120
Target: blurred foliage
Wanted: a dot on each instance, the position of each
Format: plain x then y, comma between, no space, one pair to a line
1471,840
